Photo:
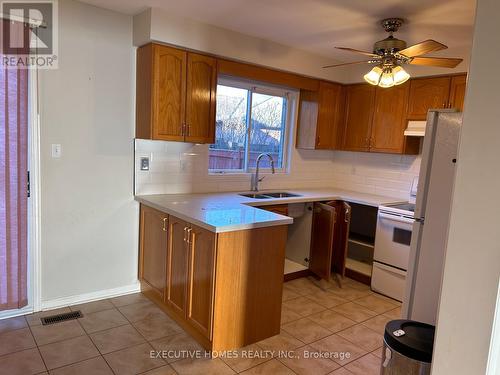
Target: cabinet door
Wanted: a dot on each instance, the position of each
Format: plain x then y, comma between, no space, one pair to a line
457,92
200,102
328,113
425,94
322,234
201,279
153,248
308,120
169,93
341,237
358,117
389,119
177,266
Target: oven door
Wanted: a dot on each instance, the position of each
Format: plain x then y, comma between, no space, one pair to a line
392,239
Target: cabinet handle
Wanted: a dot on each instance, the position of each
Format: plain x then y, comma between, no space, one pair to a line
185,234
165,223
189,235
188,130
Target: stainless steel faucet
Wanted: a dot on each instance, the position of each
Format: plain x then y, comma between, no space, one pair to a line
255,176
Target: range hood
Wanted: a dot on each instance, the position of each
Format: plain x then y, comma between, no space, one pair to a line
415,128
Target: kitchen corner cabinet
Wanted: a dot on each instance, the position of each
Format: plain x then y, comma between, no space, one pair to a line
153,249
320,117
175,95
223,288
425,94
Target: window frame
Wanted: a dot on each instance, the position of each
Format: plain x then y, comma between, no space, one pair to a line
264,89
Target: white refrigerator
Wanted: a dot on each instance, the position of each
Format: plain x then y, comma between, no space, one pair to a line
432,215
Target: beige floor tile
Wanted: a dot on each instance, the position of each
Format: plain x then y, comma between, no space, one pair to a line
354,312
129,299
163,370
326,298
141,311
356,284
176,347
102,320
26,362
283,341
349,293
341,350
157,327
362,336
15,341
56,332
12,324
273,366
91,307
394,314
288,293
288,315
205,366
66,352
378,352
341,371
116,338
302,306
302,286
306,330
93,366
34,319
375,303
308,361
247,357
367,365
377,323
331,320
133,360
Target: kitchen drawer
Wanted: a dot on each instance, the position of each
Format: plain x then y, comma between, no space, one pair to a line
388,281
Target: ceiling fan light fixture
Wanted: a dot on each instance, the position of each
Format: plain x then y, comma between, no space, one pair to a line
387,78
400,75
373,76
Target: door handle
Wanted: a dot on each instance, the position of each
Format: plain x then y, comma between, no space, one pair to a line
189,235
185,234
165,223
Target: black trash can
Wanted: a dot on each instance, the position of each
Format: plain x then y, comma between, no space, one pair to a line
407,348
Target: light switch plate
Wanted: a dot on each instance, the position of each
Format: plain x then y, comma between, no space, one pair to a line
145,164
56,150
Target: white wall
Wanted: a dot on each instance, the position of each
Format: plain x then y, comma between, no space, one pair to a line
472,266
89,219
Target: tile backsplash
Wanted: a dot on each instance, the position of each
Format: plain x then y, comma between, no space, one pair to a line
177,168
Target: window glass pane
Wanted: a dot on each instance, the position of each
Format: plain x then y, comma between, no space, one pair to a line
268,129
228,152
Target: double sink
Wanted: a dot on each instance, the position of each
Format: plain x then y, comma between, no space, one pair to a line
280,194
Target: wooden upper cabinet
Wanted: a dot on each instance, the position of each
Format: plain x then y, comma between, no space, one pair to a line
200,102
201,279
358,117
425,94
177,266
175,95
153,249
389,119
457,92
320,117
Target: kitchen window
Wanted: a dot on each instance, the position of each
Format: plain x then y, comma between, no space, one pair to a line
250,119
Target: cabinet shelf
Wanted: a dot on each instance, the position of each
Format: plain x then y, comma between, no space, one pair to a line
360,267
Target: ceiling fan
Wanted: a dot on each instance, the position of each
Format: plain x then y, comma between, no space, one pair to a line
391,53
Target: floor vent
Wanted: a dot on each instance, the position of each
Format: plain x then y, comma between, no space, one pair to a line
53,319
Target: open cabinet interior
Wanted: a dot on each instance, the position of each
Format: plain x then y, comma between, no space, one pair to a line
361,242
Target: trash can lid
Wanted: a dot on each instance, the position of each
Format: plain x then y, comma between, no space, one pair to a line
411,339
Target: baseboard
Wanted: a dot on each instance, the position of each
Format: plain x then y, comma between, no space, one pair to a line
90,297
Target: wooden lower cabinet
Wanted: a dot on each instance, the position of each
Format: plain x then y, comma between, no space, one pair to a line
224,289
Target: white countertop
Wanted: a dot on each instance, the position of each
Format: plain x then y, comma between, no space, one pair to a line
226,212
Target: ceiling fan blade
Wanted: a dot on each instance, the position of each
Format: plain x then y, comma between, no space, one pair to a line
358,51
351,63
443,62
422,48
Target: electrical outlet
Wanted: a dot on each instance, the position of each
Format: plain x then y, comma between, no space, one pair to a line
145,164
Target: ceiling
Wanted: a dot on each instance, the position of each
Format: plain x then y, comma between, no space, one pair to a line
318,25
